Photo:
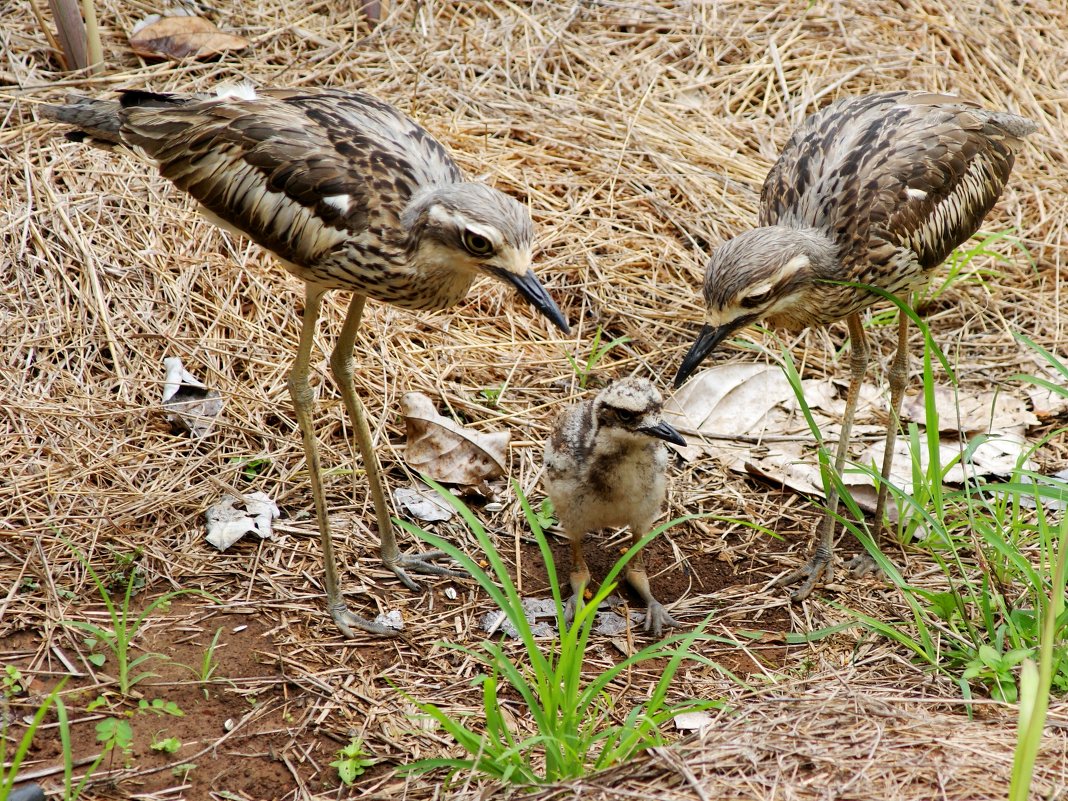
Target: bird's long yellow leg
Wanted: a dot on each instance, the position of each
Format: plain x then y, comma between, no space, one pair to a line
822,561
343,366
303,403
656,616
898,376
580,577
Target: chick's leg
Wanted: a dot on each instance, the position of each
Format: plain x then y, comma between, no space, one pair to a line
656,616
580,577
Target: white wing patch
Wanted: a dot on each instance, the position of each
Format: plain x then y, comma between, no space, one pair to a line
915,194
236,91
339,202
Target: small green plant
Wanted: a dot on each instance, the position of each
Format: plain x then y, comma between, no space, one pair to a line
1035,681
12,682
117,639
115,733
72,792
576,727
181,772
205,671
351,762
251,468
168,745
96,703
10,774
597,352
125,572
492,395
545,516
160,707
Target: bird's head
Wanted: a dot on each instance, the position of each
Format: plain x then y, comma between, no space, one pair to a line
758,275
474,228
631,408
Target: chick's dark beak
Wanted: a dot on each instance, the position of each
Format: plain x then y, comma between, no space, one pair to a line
706,342
665,432
534,293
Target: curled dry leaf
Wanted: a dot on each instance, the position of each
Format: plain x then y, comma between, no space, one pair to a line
232,518
190,405
444,450
183,37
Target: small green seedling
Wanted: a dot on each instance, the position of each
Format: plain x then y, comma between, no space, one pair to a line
115,733
168,745
251,467
597,352
12,681
490,395
124,626
351,762
546,514
181,772
205,672
160,707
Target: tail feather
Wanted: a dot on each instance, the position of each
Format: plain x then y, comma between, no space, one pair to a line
96,119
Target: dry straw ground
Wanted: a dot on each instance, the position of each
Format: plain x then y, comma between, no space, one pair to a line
639,134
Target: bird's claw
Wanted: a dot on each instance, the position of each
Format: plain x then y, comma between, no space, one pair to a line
861,565
657,617
420,563
347,621
820,565
571,607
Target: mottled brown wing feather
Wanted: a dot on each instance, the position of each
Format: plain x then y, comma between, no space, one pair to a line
886,173
298,171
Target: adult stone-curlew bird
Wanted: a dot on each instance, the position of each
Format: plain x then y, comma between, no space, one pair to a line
605,465
874,190
348,193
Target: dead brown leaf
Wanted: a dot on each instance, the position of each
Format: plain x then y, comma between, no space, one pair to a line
971,413
183,37
444,450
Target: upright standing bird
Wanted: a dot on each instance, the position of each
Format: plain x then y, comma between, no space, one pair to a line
606,465
876,191
348,193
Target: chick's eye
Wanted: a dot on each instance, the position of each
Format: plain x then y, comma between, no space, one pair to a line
476,244
624,416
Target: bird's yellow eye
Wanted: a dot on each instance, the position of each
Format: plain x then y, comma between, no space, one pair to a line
476,244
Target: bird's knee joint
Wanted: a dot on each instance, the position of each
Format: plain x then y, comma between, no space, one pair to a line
299,389
342,365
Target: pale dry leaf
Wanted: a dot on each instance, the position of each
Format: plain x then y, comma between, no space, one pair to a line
232,518
1046,402
181,37
189,404
969,412
731,398
692,721
446,451
424,504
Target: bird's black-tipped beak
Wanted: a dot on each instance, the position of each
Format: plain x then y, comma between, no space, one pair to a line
534,293
665,432
706,342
